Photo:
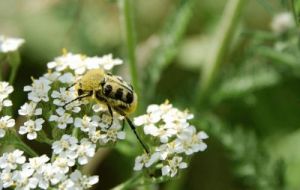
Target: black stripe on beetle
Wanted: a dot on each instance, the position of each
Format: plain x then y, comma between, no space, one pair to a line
107,90
119,94
129,98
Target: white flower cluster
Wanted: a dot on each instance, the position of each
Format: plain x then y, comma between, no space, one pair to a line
76,131
5,120
51,90
10,44
80,64
38,173
282,22
174,138
68,148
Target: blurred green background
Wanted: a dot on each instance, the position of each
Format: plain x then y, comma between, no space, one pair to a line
252,112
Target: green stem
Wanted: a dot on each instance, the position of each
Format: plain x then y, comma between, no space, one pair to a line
278,57
127,17
75,132
18,143
294,12
130,183
150,181
2,60
43,137
14,59
220,46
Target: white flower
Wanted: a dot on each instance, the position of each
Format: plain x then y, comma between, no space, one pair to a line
68,78
67,144
62,119
163,121
175,135
12,159
282,22
164,133
6,178
23,181
37,162
39,90
31,127
64,96
80,63
174,116
5,90
85,150
52,76
5,122
190,142
77,64
63,162
67,184
93,62
10,44
29,109
173,165
64,61
107,62
86,123
5,103
147,120
168,149
146,160
111,133
48,175
94,135
83,181
99,108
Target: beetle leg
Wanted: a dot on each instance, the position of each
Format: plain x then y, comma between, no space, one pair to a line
137,136
111,114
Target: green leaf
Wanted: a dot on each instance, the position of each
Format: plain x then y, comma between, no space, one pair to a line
246,81
172,34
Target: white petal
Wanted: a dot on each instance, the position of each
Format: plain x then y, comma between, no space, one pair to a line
165,170
202,135
182,165
121,135
151,129
23,130
2,133
93,180
31,136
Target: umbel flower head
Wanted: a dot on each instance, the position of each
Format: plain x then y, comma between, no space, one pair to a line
173,139
76,129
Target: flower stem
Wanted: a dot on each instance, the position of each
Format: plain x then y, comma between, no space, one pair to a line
14,59
2,60
43,137
294,10
127,19
220,46
130,183
18,143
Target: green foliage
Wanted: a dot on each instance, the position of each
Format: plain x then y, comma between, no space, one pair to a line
250,159
251,107
172,33
246,80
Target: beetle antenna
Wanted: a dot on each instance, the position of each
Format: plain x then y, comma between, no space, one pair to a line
137,136
78,98
70,86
